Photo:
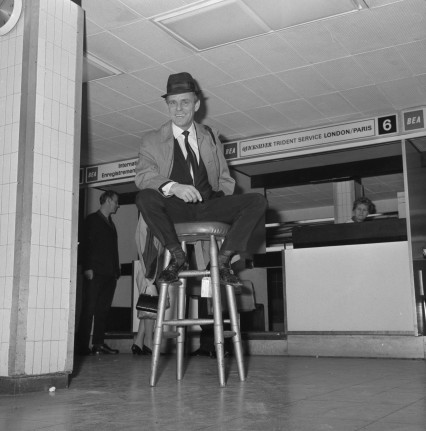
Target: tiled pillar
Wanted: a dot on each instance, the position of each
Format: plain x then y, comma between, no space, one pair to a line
40,109
344,194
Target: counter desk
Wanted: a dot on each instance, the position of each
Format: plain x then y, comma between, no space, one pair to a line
350,279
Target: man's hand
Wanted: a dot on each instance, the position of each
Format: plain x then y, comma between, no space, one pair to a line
89,274
186,192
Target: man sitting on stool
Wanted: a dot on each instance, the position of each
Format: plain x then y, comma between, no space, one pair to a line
184,177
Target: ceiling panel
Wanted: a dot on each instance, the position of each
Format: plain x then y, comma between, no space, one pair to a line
271,89
270,118
152,8
404,93
235,62
149,39
107,97
238,95
332,105
121,122
146,115
344,73
315,42
306,82
132,87
116,52
241,122
273,52
369,100
410,53
108,13
300,112
384,65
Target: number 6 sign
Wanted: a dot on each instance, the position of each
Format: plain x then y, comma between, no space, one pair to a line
386,125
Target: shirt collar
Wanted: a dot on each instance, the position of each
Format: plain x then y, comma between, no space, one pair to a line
177,131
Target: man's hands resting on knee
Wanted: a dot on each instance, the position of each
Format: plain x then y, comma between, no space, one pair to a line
186,192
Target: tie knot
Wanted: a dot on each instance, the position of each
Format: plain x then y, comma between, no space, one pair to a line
186,134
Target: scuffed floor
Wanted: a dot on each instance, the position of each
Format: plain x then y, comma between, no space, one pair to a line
280,393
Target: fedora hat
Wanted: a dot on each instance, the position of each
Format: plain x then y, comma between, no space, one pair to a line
179,83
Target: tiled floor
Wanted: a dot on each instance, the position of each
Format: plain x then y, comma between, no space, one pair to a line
280,393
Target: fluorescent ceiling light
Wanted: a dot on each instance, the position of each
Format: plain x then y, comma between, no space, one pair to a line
280,14
212,23
94,68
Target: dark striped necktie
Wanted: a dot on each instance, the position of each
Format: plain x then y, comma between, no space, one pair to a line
191,158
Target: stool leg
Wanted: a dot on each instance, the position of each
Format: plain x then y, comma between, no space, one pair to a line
217,311
235,327
158,332
180,341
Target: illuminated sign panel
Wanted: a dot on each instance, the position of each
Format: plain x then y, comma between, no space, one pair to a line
307,138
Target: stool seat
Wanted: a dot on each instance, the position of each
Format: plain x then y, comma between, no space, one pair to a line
201,231
193,232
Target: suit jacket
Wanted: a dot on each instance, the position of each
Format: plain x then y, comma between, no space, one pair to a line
100,246
156,159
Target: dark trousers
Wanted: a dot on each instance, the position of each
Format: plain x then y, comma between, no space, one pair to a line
242,212
98,294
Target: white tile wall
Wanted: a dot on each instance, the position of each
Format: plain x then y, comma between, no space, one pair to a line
52,188
50,266
10,96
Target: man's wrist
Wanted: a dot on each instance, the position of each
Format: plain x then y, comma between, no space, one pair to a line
166,188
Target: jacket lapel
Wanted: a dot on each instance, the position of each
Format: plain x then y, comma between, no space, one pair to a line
204,145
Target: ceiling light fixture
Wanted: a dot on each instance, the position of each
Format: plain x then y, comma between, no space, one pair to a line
95,68
211,23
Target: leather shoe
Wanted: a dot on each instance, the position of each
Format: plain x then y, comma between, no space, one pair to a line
103,349
84,352
171,273
227,276
136,350
146,350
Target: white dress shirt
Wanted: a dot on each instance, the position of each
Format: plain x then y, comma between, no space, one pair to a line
192,139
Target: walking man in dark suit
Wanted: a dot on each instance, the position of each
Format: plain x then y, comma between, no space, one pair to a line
101,268
184,177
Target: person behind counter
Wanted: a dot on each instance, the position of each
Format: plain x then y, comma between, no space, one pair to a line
361,209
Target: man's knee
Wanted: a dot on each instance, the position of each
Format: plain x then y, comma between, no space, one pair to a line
145,197
258,201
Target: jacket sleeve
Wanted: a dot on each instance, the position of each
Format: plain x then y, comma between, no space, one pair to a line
151,169
226,182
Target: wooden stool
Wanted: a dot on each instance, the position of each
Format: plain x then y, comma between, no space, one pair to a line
190,233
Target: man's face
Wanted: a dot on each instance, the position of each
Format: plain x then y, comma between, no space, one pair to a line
113,204
182,108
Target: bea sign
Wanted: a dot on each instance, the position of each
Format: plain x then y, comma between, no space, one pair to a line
414,120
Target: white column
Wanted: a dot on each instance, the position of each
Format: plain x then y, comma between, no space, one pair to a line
344,194
39,161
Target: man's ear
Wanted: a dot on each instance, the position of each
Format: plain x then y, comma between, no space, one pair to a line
197,105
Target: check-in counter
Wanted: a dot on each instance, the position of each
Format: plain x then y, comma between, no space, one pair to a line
350,280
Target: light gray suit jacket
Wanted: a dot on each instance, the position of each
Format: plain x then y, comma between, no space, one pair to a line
156,159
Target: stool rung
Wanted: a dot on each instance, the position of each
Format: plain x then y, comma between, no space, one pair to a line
229,334
188,322
170,334
193,273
